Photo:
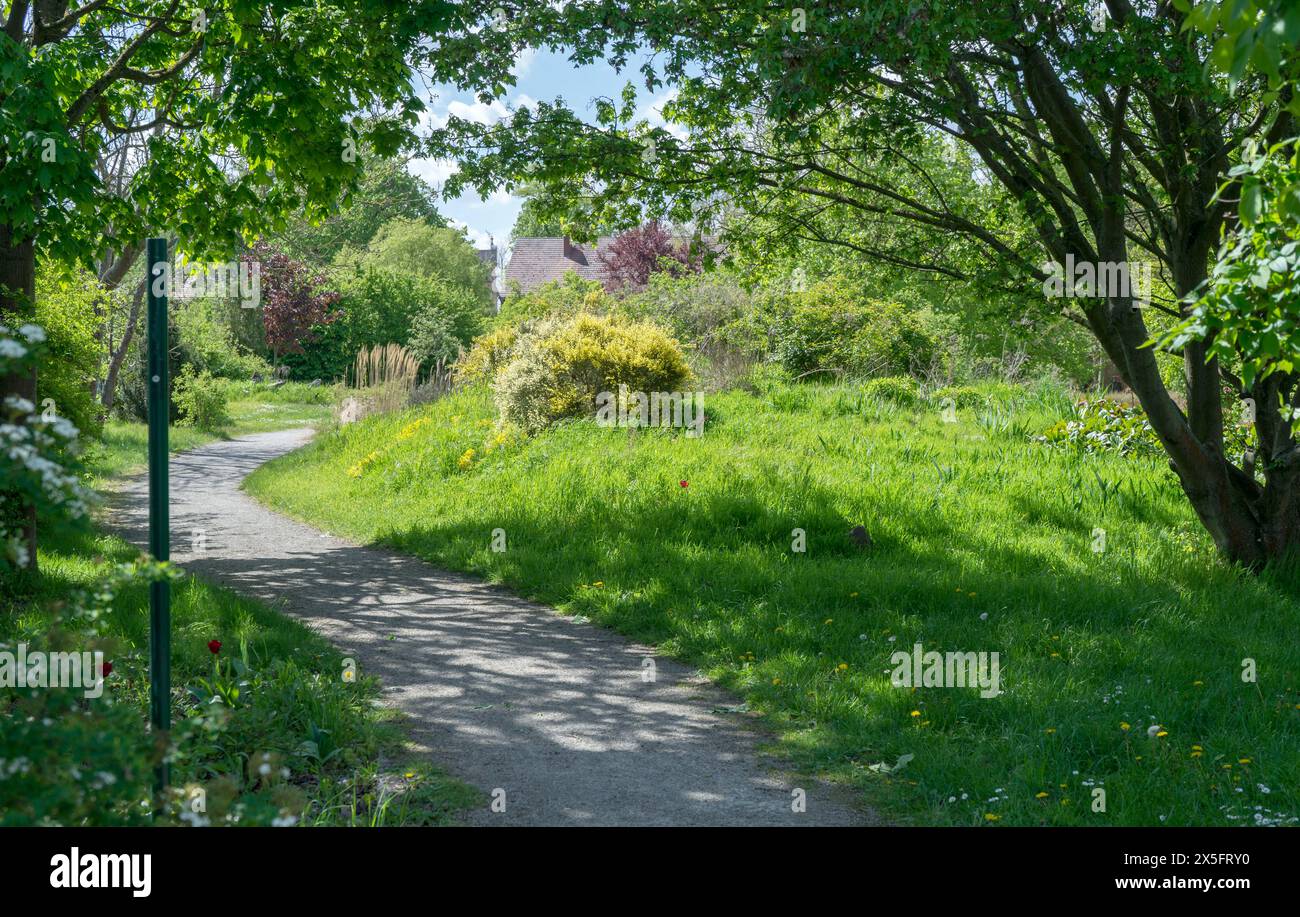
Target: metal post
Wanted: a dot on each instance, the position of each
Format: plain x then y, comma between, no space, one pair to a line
160,636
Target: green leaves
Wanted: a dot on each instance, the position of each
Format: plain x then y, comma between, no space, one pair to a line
252,117
1250,308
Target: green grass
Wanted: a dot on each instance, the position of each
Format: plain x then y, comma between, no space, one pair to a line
254,408
983,542
301,696
360,769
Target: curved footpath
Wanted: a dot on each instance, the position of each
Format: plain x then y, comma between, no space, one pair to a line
503,693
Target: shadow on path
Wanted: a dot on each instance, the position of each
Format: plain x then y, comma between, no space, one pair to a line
504,693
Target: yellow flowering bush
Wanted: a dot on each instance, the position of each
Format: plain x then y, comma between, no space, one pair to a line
488,354
561,365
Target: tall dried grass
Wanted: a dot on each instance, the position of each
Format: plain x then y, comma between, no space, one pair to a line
384,377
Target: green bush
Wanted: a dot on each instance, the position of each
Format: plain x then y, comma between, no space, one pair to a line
41,467
67,759
559,297
900,390
696,308
202,401
207,342
67,306
830,328
379,305
560,365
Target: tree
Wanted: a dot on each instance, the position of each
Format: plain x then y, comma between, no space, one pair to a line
295,301
636,254
415,248
249,111
386,191
1109,136
542,215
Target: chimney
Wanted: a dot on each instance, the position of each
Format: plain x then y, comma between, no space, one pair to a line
571,252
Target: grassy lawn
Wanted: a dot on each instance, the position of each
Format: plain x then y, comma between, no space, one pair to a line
348,755
983,541
254,408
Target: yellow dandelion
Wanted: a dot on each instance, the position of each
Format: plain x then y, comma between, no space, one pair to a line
842,666
1125,726
1042,795
776,681
989,816
916,713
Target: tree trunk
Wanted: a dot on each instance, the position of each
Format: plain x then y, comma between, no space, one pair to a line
1250,523
18,299
118,356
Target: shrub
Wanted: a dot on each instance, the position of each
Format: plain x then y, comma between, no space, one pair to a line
561,365
489,353
379,306
827,329
445,324
900,390
208,343
40,469
1104,425
698,308
559,297
67,758
202,400
67,303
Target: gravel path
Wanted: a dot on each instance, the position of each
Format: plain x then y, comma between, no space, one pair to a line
503,693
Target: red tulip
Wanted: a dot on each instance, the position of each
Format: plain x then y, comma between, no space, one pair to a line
108,669
214,646
686,483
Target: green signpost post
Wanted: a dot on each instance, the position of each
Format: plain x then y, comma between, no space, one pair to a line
160,624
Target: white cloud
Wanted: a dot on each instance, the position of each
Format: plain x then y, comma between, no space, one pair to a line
479,112
653,111
434,171
485,113
478,237
523,62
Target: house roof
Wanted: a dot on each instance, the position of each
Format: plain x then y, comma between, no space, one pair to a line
541,259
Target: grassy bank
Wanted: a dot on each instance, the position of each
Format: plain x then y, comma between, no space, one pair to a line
254,408
282,689
1121,669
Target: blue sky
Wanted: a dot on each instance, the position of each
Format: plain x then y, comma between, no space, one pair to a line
541,76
